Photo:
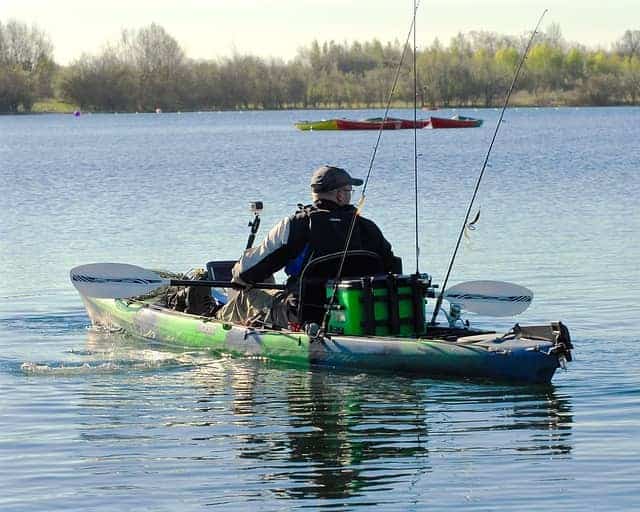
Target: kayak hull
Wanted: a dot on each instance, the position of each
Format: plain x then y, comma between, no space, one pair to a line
488,356
388,124
458,122
402,124
325,124
366,124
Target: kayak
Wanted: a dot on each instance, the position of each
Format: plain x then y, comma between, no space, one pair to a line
376,124
325,124
405,124
524,355
455,122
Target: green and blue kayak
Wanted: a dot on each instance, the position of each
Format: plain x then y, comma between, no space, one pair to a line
525,355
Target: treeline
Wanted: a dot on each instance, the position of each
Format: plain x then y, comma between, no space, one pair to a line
147,69
26,66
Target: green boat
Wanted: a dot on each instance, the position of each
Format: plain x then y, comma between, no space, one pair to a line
325,124
371,328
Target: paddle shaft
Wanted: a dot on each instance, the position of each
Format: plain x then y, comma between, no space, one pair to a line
225,284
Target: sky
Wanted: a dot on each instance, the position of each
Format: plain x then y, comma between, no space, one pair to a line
208,29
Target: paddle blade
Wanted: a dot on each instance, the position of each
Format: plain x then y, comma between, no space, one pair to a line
490,298
114,280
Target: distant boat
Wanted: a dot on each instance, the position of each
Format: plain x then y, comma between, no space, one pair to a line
369,124
405,124
455,122
375,123
325,124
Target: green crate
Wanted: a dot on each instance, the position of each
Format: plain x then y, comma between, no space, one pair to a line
362,306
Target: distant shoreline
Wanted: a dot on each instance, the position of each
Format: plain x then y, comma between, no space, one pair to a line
422,112
147,70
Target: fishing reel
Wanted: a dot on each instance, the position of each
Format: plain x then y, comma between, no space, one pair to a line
454,316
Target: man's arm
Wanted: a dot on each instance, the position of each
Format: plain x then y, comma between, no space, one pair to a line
283,242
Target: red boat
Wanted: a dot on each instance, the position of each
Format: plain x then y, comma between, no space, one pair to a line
405,124
369,124
418,123
455,122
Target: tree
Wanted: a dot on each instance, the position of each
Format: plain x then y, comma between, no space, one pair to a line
26,65
629,44
15,90
160,65
296,84
575,63
545,65
104,82
433,70
601,62
485,75
630,79
599,90
461,81
205,85
553,36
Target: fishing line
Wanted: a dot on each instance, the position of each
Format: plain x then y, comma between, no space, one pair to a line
484,166
362,198
388,105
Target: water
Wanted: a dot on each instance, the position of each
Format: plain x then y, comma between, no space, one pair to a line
93,420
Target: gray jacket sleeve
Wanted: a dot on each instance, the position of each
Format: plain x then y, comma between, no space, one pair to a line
283,243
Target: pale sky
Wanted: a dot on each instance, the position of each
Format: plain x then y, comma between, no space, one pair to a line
276,28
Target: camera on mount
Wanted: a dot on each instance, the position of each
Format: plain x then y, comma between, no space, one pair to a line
256,206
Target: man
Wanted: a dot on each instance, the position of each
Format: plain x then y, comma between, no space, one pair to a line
313,231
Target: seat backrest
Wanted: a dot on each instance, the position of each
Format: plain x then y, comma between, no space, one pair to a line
220,270
314,277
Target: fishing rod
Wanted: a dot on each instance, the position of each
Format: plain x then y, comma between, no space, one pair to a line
361,201
386,110
484,166
415,141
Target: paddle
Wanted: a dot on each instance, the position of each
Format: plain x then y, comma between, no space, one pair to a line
490,298
120,280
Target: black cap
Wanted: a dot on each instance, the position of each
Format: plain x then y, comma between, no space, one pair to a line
326,178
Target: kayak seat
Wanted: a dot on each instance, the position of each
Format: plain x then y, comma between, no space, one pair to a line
220,270
313,279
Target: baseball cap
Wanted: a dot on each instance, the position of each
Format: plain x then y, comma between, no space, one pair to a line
327,177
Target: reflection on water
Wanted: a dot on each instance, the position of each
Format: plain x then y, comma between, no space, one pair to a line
335,435
345,434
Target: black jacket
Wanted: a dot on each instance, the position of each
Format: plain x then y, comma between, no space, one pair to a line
313,231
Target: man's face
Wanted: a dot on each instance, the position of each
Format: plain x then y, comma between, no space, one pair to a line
343,195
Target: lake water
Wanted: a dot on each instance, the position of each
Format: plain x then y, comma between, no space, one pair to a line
97,421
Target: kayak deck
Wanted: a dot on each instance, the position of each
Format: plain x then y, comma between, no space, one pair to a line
515,357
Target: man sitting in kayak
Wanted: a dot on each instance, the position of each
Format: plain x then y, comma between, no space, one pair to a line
314,230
